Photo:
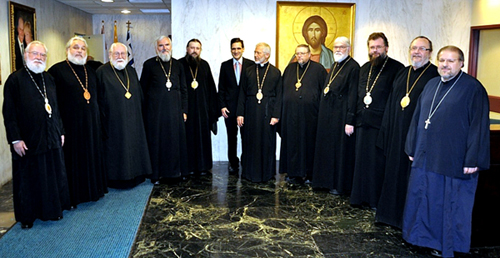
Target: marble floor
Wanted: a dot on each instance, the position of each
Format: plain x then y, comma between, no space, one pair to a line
221,215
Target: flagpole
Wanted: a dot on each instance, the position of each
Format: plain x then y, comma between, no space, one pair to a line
129,44
105,57
115,35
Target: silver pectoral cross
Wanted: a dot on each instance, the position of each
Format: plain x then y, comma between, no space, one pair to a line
427,122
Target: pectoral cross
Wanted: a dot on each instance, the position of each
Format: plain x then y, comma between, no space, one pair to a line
427,122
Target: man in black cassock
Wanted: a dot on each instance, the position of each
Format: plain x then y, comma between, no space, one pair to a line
203,109
36,135
229,90
448,142
302,87
126,155
76,86
334,153
165,111
406,89
259,110
375,85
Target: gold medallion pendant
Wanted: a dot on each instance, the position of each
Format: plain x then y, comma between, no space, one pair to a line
298,85
259,96
194,84
405,101
326,90
48,108
168,85
367,99
128,95
86,95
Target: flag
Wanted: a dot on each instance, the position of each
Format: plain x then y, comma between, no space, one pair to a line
130,52
115,35
105,44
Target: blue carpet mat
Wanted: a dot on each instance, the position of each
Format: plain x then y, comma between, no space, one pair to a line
105,228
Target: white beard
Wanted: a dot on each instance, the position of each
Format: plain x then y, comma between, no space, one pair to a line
165,57
119,65
338,57
77,60
36,66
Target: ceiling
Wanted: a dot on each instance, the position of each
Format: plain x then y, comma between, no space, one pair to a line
134,6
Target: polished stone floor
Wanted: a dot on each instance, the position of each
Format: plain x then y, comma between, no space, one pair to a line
221,215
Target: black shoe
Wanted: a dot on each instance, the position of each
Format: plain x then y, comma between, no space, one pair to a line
58,218
295,181
232,170
334,192
436,253
26,226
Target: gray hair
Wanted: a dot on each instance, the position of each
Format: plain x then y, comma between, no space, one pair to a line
343,40
36,42
112,47
160,38
267,48
71,40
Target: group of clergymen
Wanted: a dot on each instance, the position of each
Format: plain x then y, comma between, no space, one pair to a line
405,141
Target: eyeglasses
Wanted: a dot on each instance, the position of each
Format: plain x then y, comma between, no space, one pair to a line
35,53
339,47
118,54
415,48
301,53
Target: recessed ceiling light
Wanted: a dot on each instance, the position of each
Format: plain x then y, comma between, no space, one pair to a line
126,11
155,10
107,1
145,1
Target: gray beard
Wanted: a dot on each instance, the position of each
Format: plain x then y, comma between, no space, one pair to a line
164,57
36,68
77,61
339,58
118,66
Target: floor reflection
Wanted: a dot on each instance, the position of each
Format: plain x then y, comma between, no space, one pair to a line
221,215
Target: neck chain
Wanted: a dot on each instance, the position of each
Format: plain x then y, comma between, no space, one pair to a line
86,93
48,108
332,77
260,95
299,84
194,83
431,111
368,98
127,94
405,101
168,84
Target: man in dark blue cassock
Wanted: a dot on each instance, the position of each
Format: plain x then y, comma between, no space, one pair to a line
448,142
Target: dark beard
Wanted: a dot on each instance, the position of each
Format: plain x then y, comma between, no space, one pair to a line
193,62
378,60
